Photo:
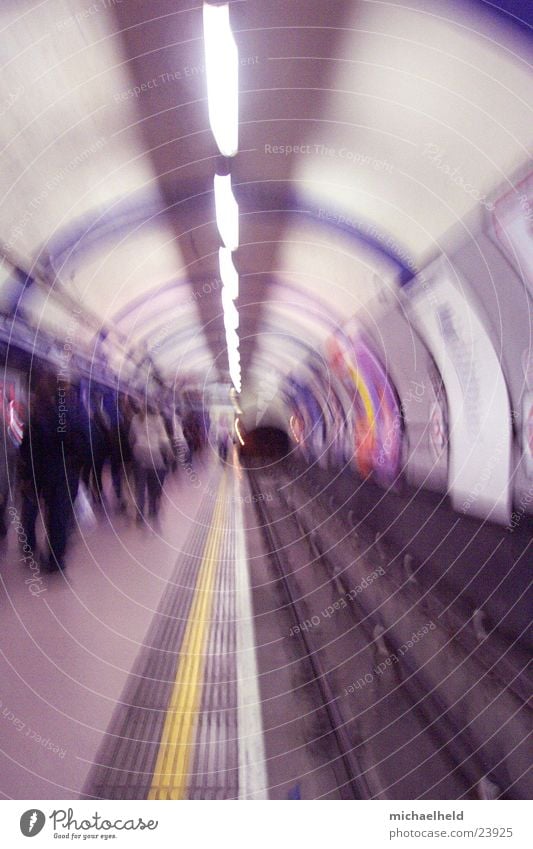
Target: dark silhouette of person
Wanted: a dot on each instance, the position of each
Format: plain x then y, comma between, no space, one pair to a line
54,448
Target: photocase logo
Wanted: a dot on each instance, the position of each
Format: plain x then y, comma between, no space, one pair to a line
32,822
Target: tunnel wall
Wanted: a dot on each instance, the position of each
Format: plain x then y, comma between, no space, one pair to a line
422,398
458,335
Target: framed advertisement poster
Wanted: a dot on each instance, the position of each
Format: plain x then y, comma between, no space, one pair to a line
479,425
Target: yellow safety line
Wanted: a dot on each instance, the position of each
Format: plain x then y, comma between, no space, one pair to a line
171,771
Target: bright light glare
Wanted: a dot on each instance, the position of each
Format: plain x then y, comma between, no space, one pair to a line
222,73
234,367
231,322
232,341
227,212
234,359
292,422
231,313
238,431
228,272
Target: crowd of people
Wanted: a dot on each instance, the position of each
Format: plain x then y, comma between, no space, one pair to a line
69,437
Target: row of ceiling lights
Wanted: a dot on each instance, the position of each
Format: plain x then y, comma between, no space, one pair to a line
222,74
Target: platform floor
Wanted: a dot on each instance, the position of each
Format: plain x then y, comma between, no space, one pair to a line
137,641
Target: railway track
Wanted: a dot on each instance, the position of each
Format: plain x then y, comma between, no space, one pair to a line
395,735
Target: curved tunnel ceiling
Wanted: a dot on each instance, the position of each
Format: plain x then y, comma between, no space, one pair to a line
355,121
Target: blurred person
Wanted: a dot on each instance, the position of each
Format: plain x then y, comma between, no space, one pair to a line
223,440
206,423
168,414
191,432
54,448
152,454
100,448
120,454
180,445
127,409
109,443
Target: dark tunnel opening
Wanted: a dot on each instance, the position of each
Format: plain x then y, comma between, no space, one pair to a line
264,446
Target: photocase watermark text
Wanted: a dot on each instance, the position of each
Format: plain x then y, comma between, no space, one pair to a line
35,582
329,152
339,604
390,660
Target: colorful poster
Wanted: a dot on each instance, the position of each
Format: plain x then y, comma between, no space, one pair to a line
378,424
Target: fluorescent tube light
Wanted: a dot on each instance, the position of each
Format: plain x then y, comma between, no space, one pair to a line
227,212
231,322
228,272
231,313
236,380
232,341
222,73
